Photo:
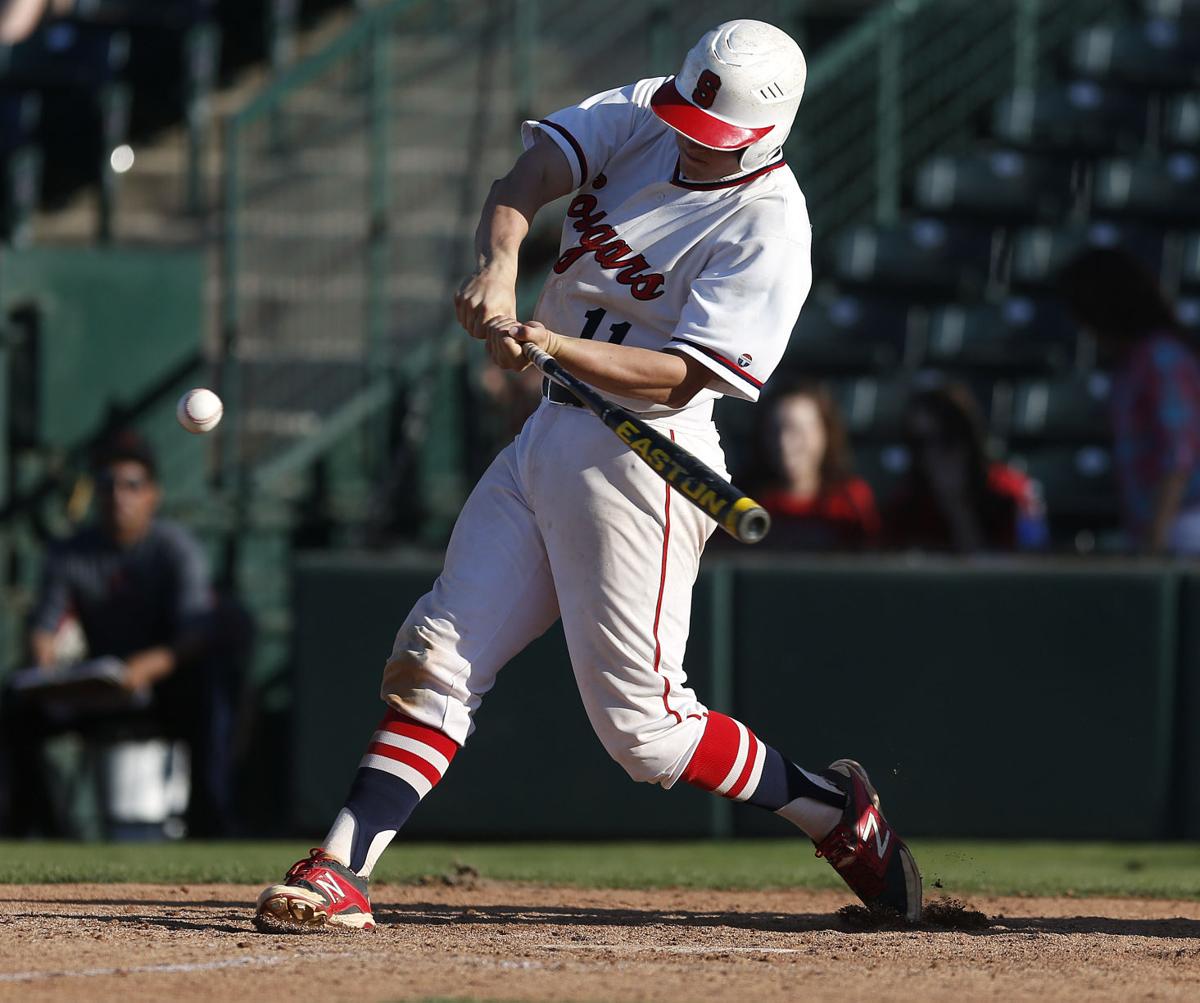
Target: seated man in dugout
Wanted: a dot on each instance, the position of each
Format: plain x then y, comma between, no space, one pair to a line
160,666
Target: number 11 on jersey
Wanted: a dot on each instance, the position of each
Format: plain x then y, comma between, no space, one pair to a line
616,332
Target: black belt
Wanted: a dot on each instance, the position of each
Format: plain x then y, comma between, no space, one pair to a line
556,394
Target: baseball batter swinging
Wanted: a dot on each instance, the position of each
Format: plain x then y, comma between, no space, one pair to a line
683,265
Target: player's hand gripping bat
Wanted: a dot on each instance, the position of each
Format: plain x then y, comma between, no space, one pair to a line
740,516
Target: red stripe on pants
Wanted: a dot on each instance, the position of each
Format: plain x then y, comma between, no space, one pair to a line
662,586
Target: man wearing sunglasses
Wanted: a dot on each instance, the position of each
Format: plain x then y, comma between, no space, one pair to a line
138,586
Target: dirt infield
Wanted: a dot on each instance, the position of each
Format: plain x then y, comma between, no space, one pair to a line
131,943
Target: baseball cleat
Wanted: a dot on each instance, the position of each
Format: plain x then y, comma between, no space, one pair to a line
867,852
318,891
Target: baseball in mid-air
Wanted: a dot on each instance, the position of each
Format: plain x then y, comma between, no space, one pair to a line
199,410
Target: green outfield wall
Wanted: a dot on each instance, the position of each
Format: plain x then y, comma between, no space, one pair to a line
1025,700
1186,778
112,322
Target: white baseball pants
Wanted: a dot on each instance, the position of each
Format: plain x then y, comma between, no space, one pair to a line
568,522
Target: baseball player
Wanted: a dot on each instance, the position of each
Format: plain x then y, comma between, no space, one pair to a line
683,265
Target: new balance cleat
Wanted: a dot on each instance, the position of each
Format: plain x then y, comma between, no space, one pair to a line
867,852
316,892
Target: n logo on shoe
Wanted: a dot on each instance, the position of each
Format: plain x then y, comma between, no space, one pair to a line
871,828
328,884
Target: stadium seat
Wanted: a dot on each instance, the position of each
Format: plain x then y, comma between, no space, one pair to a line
65,54
261,28
1077,486
1189,276
1157,53
1167,189
177,14
1001,186
166,13
1181,128
848,333
1039,252
20,189
20,112
1187,309
873,408
920,258
1179,9
1067,409
1018,335
1082,116
882,465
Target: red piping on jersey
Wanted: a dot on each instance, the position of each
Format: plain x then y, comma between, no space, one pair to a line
662,585
732,366
583,171
678,180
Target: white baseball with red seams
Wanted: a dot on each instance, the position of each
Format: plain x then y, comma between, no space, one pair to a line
567,521
199,410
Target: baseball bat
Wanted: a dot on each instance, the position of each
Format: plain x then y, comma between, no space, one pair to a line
736,513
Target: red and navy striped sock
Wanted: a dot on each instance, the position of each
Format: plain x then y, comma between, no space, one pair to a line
733,762
404,762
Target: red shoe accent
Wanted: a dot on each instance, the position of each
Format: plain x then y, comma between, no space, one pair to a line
867,852
318,890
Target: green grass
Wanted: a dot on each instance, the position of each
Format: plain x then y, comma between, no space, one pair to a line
1161,870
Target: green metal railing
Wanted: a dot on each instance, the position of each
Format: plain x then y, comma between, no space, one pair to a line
908,80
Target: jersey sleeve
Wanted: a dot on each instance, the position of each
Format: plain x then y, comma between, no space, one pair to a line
741,311
590,132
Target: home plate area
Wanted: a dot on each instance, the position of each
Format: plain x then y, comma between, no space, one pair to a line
508,941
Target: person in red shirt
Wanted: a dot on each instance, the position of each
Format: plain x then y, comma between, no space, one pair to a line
802,475
954,498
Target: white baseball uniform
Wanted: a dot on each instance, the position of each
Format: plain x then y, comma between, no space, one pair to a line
567,521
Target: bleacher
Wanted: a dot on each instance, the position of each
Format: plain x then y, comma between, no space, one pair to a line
117,71
1106,152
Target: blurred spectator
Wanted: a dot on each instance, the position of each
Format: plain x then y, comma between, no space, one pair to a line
18,18
953,498
160,654
801,474
1155,396
503,402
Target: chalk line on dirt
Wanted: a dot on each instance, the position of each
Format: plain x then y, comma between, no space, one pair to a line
673,948
195,966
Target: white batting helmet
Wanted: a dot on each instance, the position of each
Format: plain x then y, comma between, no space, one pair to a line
739,89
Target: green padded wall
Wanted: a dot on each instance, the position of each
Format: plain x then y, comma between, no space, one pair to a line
1187,712
533,764
1011,700
984,701
114,321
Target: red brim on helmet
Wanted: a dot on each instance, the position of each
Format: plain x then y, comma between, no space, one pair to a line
697,124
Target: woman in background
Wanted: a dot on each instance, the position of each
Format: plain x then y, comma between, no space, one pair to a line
954,498
802,475
1155,402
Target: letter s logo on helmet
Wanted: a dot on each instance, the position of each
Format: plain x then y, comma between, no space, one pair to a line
744,80
706,89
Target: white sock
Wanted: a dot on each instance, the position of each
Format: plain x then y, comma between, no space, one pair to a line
815,818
